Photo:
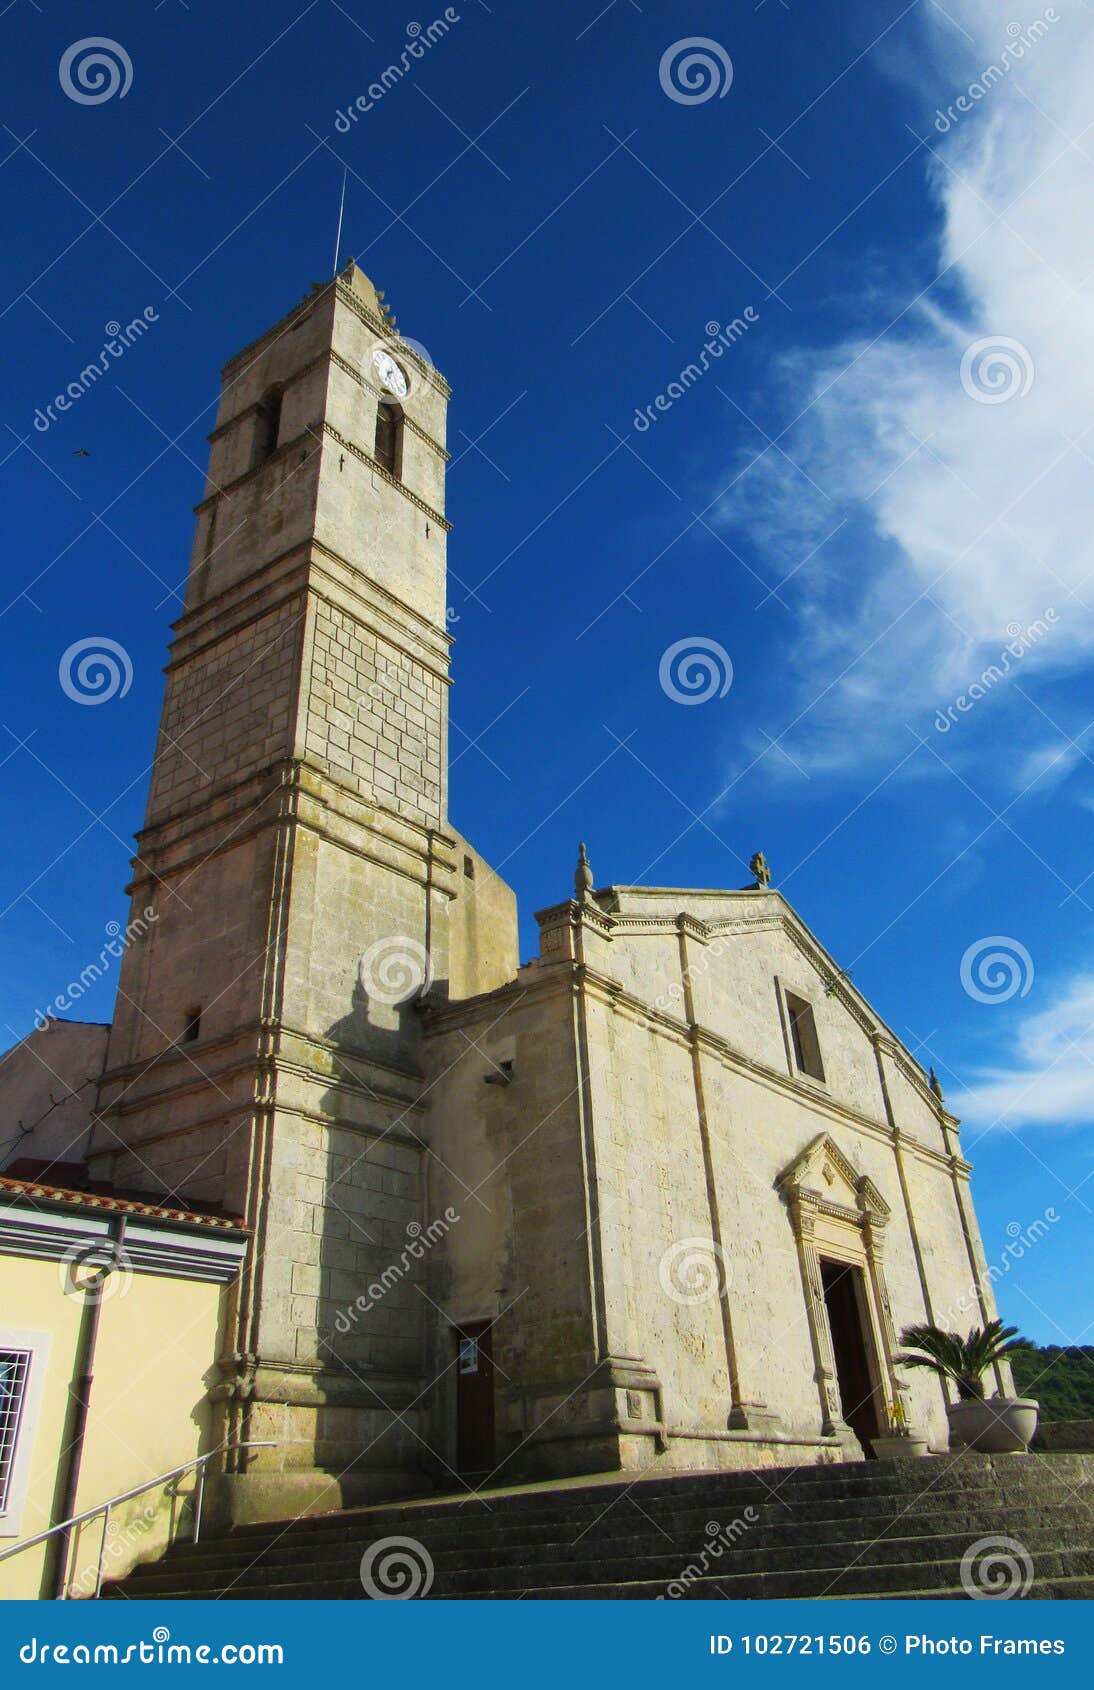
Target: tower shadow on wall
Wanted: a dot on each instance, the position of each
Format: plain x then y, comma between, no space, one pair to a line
374,1345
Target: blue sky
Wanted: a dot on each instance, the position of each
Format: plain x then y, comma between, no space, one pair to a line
860,503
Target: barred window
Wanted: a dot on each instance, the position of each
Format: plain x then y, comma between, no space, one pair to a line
14,1368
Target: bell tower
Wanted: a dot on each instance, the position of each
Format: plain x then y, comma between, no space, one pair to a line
308,892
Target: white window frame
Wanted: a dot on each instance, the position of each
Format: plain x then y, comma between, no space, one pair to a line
36,1344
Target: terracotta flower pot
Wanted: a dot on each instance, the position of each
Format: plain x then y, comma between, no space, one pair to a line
994,1426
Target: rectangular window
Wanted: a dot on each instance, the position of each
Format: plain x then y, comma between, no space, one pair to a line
389,438
803,1037
14,1368
267,425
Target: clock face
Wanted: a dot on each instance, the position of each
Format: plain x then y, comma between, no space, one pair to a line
391,376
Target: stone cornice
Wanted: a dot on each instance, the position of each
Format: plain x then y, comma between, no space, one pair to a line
609,924
390,338
823,1103
550,981
427,439
232,1119
290,321
252,584
308,434
395,615
226,427
565,975
254,1064
252,596
576,913
340,290
256,607
410,422
319,1385
792,1182
386,475
194,1080
327,355
391,1133
277,1057
911,1071
292,792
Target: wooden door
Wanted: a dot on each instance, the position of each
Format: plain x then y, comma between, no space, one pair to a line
843,1298
474,1398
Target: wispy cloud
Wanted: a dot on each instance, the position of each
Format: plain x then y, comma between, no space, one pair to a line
968,513
1050,1081
1045,766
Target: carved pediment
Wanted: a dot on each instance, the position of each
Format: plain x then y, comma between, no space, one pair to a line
822,1176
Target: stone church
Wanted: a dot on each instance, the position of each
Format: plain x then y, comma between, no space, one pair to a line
661,1198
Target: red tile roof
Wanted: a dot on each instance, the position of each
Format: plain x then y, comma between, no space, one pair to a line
36,1192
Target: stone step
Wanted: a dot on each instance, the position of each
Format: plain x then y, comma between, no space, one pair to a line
945,1484
467,1525
909,1578
1041,1590
884,1528
621,1532
870,1558
632,1561
893,1580
810,1587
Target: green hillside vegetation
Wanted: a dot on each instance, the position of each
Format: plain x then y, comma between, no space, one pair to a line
1061,1379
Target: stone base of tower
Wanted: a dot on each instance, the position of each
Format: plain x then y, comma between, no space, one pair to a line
249,1499
329,1443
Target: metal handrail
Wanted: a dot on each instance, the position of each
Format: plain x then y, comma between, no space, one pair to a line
199,1463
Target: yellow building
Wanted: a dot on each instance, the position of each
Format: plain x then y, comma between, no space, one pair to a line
111,1319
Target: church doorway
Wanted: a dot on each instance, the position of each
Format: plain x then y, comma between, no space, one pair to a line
845,1305
474,1398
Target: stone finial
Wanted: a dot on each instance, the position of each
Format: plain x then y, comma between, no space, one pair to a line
583,874
385,310
935,1085
353,277
758,866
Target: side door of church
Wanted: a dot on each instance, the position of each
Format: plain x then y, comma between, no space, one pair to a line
474,1397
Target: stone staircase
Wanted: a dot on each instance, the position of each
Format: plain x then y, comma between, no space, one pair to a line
871,1529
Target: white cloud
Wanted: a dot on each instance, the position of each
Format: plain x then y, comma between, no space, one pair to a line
1045,766
1051,1079
965,518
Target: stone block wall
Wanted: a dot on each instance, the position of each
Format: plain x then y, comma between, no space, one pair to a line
339,1279
375,716
228,709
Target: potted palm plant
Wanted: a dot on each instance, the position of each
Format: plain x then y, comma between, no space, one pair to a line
994,1425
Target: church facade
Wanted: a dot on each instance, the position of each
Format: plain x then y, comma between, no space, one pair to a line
660,1199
